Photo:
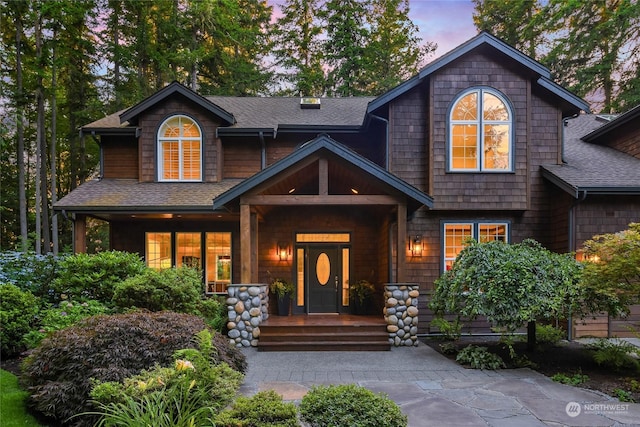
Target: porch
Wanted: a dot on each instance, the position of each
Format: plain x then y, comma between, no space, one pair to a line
324,332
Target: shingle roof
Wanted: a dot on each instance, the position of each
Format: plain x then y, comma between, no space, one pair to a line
131,195
273,112
591,167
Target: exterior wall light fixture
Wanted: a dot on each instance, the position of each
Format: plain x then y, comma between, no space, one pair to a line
415,245
283,250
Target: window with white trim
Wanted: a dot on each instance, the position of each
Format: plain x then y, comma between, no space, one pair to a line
179,150
457,233
480,132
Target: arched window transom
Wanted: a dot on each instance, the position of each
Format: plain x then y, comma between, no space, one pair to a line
480,139
179,150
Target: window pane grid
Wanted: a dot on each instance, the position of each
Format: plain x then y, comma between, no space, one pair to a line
181,157
158,250
480,141
219,262
455,234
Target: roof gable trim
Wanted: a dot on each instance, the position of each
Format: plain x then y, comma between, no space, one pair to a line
170,90
311,147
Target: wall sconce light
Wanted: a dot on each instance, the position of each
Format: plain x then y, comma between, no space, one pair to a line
283,250
415,245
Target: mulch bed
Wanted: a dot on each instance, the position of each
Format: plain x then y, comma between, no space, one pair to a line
568,358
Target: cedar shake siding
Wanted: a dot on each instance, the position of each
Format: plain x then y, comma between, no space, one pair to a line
119,157
479,191
627,143
605,214
149,123
241,158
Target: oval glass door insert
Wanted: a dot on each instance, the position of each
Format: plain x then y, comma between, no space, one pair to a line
323,269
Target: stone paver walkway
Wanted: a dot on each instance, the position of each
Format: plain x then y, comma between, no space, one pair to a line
435,391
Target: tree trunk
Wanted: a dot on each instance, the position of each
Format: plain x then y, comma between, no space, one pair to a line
531,335
52,149
22,191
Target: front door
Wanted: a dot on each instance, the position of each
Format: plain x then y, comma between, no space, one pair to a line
324,279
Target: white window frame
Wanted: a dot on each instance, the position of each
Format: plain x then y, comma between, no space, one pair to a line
180,140
480,123
475,234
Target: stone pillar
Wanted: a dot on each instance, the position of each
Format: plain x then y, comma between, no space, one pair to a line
401,313
247,308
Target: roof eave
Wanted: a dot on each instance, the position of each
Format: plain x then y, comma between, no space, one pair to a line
561,92
560,183
630,115
169,90
119,131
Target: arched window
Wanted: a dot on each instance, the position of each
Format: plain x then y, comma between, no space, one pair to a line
481,127
179,150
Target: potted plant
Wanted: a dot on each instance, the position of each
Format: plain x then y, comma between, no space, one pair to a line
360,294
283,291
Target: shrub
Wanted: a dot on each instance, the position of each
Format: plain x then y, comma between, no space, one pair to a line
28,271
18,310
175,289
214,311
187,393
264,409
349,405
614,355
66,314
84,276
109,348
479,358
549,334
575,379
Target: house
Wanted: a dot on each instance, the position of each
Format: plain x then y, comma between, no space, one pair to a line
324,192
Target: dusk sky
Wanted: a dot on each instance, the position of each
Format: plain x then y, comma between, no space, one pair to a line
446,22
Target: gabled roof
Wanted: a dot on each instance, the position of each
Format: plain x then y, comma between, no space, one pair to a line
324,143
132,113
621,120
482,39
592,168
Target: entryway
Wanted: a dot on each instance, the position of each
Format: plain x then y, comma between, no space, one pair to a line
324,278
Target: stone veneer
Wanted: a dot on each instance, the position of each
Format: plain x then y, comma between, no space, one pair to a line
401,313
247,308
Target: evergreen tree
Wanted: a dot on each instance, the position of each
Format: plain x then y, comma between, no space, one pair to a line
592,41
393,53
298,48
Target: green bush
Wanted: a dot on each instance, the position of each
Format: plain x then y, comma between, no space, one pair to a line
214,311
614,355
549,334
575,379
479,358
264,409
349,405
18,310
28,271
110,348
94,277
187,393
66,314
175,289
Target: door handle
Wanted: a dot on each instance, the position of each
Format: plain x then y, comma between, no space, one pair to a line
336,283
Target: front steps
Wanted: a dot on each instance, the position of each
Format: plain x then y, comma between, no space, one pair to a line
324,333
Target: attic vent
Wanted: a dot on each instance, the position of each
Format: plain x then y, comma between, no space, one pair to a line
310,103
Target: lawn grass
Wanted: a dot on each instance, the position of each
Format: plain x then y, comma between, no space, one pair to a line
13,411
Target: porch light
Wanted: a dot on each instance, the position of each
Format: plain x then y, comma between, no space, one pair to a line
415,245
284,251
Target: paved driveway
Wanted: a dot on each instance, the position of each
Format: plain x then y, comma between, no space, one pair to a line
434,391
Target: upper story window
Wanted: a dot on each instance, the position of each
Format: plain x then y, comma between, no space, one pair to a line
179,150
481,126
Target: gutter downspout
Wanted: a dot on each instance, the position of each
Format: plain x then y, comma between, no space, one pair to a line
582,195
386,143
263,151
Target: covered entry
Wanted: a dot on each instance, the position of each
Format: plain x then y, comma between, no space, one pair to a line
338,216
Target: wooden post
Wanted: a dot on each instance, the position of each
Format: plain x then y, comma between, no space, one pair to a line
402,244
245,243
254,248
80,234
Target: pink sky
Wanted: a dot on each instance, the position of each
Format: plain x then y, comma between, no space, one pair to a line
449,23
